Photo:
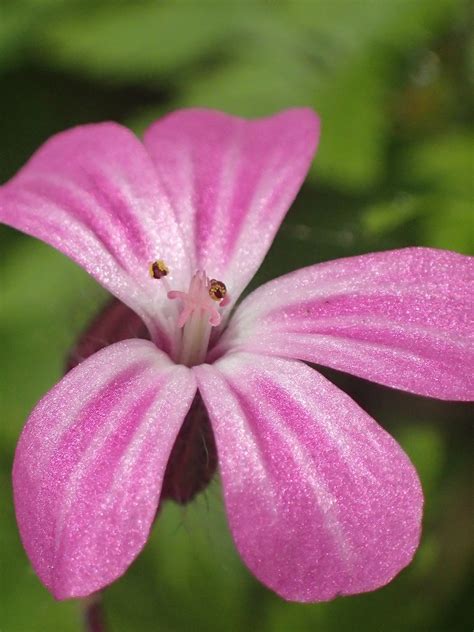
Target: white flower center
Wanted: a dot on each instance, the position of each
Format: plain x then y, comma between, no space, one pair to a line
199,314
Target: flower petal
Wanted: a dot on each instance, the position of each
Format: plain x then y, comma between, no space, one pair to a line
404,318
92,193
230,182
90,462
321,500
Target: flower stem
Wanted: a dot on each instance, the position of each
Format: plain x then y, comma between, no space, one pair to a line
94,620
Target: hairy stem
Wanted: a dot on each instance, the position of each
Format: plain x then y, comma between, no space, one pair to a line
94,620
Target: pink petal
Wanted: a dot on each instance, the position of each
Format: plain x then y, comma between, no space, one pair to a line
321,500
92,193
404,318
230,182
90,462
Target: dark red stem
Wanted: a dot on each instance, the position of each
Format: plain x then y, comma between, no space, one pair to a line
94,620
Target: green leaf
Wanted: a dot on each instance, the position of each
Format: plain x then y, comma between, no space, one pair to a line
333,56
47,302
443,168
444,163
26,606
387,216
134,41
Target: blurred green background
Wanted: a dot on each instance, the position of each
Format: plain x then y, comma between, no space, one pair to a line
392,80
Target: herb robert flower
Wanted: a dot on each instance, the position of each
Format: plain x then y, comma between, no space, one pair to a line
321,500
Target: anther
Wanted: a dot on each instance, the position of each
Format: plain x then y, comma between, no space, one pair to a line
158,269
217,290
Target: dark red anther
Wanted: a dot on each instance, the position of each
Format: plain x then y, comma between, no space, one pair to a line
158,269
217,290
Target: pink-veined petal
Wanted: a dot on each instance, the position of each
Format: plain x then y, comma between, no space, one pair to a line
230,182
403,318
92,193
321,500
90,463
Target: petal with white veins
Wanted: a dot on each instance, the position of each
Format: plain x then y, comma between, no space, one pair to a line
230,182
92,193
321,500
403,318
90,462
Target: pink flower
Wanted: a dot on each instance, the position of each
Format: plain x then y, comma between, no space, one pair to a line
321,500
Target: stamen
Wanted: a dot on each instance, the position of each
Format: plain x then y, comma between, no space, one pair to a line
197,298
217,290
199,313
158,269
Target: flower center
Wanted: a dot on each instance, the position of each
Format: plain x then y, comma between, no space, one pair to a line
200,312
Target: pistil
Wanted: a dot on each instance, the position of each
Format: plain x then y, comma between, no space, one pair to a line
199,313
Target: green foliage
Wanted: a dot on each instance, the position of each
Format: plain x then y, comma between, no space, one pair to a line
391,81
252,58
